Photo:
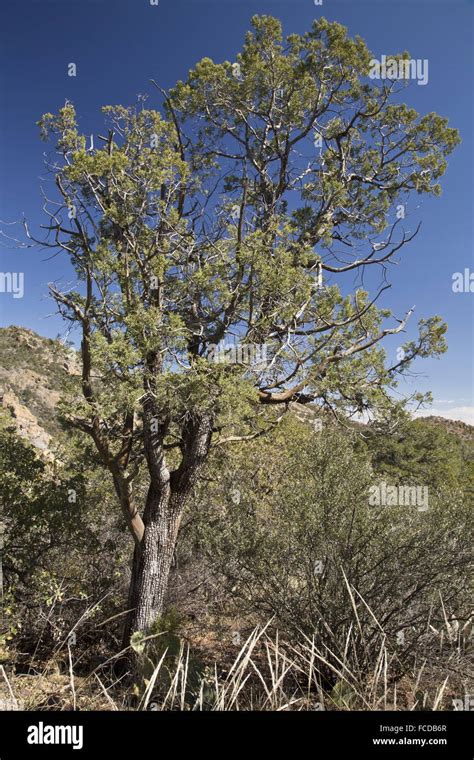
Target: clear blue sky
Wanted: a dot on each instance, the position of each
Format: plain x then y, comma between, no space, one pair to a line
118,45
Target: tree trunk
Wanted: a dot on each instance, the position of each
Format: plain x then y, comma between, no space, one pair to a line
164,508
152,562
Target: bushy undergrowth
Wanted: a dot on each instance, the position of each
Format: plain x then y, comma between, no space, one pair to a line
316,555
290,589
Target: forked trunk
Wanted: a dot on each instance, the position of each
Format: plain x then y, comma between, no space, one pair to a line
165,503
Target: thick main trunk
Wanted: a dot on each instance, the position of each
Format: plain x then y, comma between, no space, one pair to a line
152,562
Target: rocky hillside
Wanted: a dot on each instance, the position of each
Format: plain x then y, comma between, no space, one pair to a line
32,374
456,427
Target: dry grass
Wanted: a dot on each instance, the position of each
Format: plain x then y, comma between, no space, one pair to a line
268,673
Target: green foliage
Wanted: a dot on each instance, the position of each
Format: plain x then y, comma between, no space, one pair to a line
203,224
62,551
418,452
302,542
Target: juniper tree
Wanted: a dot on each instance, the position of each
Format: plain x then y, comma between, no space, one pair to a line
236,211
